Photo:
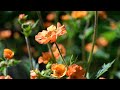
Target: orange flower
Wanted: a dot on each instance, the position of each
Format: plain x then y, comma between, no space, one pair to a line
8,54
4,34
44,58
33,74
101,41
51,34
21,16
65,17
113,25
56,52
47,24
59,70
75,72
45,36
51,16
5,77
102,14
79,14
88,47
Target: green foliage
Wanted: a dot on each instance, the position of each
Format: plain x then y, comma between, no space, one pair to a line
105,68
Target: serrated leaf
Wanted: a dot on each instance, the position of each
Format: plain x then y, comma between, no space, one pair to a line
105,68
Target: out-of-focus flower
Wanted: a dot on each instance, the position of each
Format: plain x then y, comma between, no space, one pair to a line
88,47
8,54
29,22
5,77
56,52
75,72
102,14
34,74
113,25
16,35
65,17
59,70
101,41
79,14
102,78
21,16
51,16
32,49
47,24
51,34
44,58
4,34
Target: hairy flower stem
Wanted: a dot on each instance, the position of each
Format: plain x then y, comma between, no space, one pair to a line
93,41
53,58
41,23
29,52
61,54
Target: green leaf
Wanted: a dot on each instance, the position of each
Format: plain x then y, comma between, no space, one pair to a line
110,35
105,68
4,71
102,54
88,32
35,24
13,62
1,59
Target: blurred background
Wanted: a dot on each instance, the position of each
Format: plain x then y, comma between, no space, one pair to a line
77,41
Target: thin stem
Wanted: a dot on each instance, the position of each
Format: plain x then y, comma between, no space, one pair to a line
29,52
53,58
41,23
40,19
93,41
115,66
61,54
83,41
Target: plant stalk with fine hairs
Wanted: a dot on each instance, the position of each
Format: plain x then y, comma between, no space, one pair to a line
93,41
29,52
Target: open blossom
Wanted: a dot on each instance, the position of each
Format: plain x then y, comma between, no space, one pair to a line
59,70
56,52
88,48
8,54
101,41
33,74
75,72
51,34
102,14
5,77
44,58
79,14
46,36
4,34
